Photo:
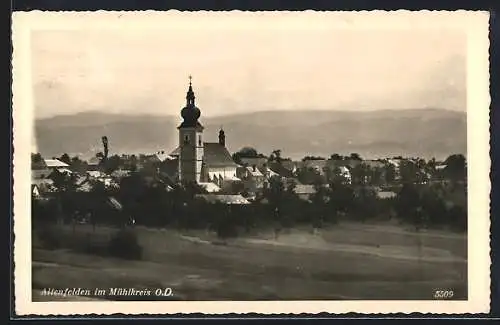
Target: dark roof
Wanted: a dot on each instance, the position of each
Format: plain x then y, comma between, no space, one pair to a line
288,164
215,155
280,170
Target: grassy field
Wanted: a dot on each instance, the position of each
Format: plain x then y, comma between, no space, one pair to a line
348,261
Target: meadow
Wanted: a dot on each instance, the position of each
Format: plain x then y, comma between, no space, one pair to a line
347,261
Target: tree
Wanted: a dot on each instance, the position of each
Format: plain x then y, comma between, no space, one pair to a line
275,156
319,203
65,159
246,152
408,204
65,185
355,156
360,174
36,158
389,173
376,177
341,198
78,165
112,163
336,156
366,203
226,224
275,194
455,168
309,175
409,171
312,158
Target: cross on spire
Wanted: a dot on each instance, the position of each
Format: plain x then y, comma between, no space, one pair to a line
190,78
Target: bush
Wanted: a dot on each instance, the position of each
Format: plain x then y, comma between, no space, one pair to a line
49,239
124,244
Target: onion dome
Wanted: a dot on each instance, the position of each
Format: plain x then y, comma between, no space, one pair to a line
190,113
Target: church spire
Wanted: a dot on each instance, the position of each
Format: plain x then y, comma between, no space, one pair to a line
190,94
190,113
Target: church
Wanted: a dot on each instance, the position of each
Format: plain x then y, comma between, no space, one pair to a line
200,161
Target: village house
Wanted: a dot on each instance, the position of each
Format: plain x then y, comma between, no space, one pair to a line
252,178
223,198
304,192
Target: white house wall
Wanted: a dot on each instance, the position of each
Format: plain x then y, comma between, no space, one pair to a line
225,172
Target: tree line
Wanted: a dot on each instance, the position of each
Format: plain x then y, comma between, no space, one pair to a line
153,204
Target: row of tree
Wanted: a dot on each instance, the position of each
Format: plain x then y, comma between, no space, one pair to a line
152,204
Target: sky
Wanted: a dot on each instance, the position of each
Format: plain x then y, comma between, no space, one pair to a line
248,67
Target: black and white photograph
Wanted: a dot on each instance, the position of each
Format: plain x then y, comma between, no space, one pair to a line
253,158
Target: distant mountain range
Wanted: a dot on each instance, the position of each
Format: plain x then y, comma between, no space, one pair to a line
418,132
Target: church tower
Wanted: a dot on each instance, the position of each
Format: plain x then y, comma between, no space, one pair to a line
190,140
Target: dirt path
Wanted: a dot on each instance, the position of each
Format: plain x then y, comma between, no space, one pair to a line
425,254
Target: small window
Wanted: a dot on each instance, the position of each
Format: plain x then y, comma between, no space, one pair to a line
199,141
186,139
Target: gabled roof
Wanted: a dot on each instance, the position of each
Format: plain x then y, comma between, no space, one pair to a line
280,170
159,156
255,173
65,171
209,187
163,156
268,172
374,163
386,194
304,189
216,155
51,163
176,152
223,198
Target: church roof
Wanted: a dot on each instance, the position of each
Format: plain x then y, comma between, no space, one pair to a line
216,155
176,152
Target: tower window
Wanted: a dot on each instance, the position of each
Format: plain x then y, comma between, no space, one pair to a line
199,141
186,139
